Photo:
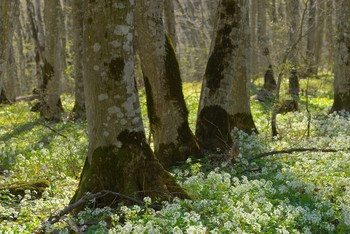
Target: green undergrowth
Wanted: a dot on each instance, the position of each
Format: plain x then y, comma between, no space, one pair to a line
302,192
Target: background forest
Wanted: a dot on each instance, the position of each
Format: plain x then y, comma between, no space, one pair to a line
227,116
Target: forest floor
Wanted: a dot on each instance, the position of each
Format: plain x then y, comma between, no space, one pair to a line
300,192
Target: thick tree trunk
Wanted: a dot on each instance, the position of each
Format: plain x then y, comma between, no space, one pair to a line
225,100
79,109
173,139
119,159
342,58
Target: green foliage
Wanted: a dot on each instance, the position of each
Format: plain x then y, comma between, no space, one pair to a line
306,192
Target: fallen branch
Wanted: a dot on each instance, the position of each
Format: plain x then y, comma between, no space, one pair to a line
54,130
90,196
292,150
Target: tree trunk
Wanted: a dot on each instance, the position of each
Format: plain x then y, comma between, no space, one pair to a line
265,58
9,11
254,53
79,109
321,16
273,11
169,19
119,159
52,107
329,35
311,39
225,101
293,15
173,139
342,58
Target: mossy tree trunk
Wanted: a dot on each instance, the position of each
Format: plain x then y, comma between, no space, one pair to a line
119,159
51,106
342,58
79,109
225,101
173,139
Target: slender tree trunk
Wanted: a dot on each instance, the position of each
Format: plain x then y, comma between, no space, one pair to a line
79,109
3,45
321,16
9,11
293,15
273,11
173,139
342,58
119,159
329,34
225,101
311,39
265,58
253,27
52,107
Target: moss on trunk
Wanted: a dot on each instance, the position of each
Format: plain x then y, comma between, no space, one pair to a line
185,145
130,170
214,126
213,129
341,102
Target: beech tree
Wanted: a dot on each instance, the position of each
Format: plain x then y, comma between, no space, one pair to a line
8,13
79,109
167,112
225,100
293,15
119,158
51,108
342,58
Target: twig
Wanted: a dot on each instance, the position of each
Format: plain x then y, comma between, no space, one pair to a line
292,150
54,130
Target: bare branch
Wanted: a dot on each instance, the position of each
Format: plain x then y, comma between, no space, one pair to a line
54,130
292,150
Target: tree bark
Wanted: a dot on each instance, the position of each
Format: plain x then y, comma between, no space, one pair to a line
173,139
119,159
225,101
51,108
254,42
311,39
263,42
170,22
293,15
79,109
9,11
342,58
